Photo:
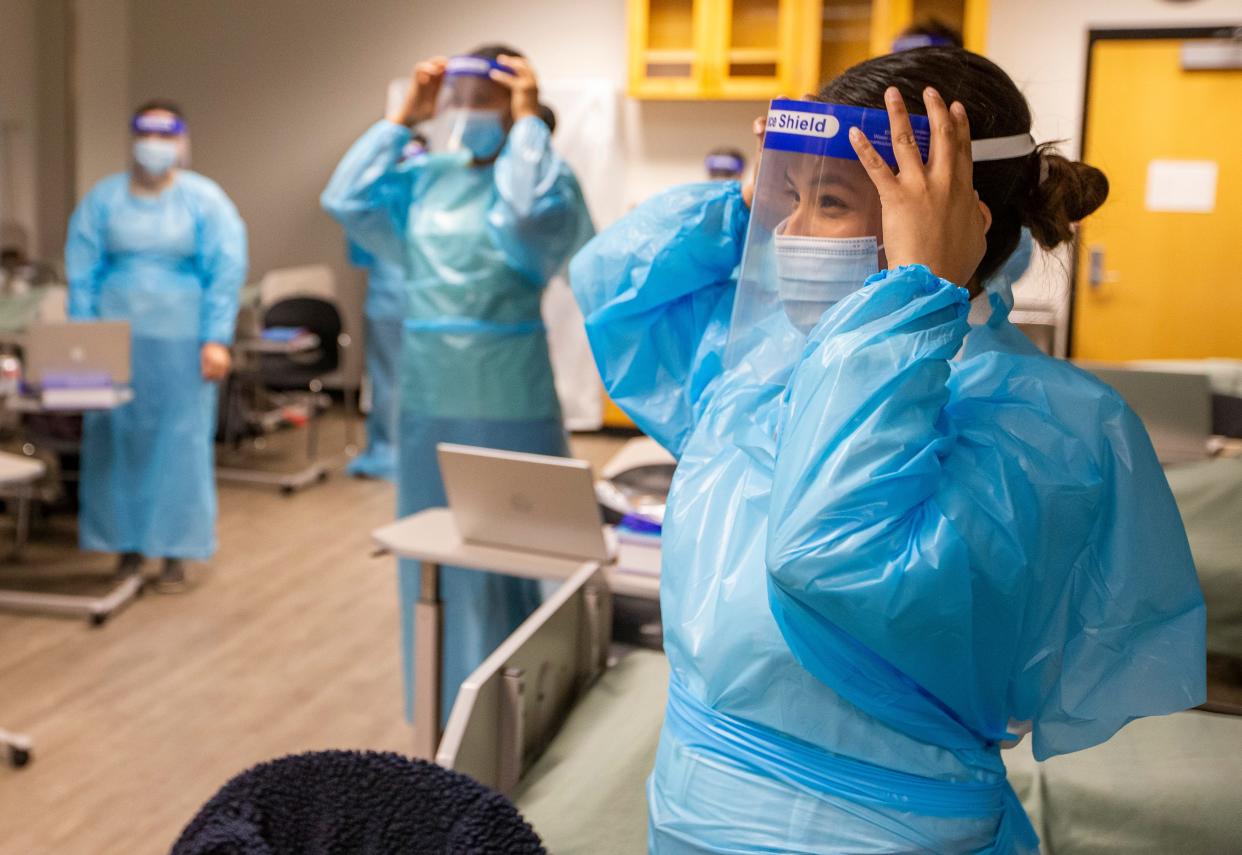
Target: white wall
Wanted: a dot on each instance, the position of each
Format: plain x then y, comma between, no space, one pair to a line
1043,46
101,96
35,168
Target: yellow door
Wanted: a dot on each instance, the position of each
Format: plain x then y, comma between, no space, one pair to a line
1160,265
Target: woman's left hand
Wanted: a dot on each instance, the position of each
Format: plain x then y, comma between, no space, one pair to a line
523,88
216,362
932,214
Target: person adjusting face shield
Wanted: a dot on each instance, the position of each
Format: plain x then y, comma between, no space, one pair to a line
478,225
164,249
474,110
894,541
816,232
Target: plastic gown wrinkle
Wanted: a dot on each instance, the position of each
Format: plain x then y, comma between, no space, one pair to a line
985,536
477,243
172,265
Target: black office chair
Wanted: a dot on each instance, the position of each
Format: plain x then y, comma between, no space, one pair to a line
305,370
283,390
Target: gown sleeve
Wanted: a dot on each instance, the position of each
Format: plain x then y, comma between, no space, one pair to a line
539,218
86,256
223,261
1012,554
369,196
656,289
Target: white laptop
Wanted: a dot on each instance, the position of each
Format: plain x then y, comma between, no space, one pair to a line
77,348
527,502
1175,407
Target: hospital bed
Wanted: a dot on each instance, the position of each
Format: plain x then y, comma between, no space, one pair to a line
575,760
1209,496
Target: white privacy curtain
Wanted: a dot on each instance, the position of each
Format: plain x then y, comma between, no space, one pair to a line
586,136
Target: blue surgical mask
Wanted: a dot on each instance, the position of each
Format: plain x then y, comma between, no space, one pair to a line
815,273
156,156
480,131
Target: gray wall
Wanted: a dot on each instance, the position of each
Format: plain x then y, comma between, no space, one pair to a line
276,90
36,163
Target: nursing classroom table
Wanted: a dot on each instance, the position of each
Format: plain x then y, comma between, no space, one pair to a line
97,608
432,538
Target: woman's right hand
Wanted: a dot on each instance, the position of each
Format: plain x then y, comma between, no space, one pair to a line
932,214
420,99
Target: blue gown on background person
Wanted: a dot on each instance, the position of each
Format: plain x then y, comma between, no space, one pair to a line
173,266
384,312
881,560
479,243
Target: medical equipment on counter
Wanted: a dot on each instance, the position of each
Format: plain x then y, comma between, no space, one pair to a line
636,481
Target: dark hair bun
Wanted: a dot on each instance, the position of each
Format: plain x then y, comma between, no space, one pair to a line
1068,192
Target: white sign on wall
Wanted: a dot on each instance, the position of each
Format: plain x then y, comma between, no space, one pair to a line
1182,186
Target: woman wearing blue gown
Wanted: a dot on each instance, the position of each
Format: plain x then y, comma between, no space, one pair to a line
163,248
480,225
894,541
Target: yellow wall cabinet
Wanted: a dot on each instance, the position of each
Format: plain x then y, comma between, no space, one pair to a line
760,49
723,49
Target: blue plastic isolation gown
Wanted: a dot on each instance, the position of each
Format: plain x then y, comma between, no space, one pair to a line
480,244
173,266
384,312
878,564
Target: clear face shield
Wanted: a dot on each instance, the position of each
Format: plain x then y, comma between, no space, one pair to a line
815,233
473,112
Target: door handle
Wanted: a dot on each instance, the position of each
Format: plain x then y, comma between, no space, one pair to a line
1097,274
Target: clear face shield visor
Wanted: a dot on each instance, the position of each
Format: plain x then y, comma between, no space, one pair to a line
473,112
815,233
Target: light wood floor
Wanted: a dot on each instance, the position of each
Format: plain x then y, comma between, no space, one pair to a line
288,643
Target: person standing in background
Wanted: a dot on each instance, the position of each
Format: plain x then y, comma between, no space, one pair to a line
480,224
724,164
163,248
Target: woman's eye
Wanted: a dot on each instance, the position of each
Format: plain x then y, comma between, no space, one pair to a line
831,202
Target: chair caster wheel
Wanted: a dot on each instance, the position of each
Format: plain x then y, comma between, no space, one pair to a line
19,757
98,620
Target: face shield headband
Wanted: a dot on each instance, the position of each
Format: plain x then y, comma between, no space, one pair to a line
724,163
152,123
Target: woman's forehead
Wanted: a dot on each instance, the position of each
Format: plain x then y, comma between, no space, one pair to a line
807,169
